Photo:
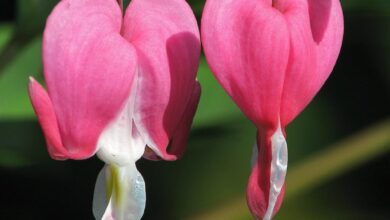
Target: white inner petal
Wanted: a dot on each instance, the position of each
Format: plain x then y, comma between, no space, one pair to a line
120,188
100,196
116,144
128,198
278,170
138,118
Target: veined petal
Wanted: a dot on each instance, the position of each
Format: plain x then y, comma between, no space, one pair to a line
166,38
88,69
315,29
246,44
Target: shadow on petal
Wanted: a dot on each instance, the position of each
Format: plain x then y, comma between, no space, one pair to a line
319,12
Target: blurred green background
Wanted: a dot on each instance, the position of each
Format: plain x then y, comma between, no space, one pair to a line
339,147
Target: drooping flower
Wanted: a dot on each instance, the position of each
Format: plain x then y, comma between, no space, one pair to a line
271,57
117,84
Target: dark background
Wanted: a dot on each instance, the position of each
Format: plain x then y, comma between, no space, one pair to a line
210,181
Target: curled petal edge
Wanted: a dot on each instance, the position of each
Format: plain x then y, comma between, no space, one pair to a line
44,110
180,137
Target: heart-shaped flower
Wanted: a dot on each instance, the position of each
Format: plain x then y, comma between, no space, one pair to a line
271,57
117,84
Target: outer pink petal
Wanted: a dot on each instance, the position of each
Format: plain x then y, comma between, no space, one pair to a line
166,37
180,137
182,132
246,44
87,78
327,23
316,32
44,110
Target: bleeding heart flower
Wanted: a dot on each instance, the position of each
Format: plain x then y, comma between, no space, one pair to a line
115,85
271,57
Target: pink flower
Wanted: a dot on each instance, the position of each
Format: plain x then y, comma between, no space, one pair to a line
115,85
271,57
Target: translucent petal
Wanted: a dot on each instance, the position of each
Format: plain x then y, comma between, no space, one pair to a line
119,193
278,170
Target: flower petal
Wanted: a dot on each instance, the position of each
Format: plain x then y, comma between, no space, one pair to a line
182,132
44,110
315,34
100,197
119,144
266,184
327,22
119,194
88,69
166,38
246,45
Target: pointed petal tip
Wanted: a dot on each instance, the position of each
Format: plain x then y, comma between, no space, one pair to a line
33,86
155,154
47,119
43,108
31,79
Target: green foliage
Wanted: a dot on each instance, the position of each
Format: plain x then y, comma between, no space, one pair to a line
211,112
378,6
32,16
14,100
5,34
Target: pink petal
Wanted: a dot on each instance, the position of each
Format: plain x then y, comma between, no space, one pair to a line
88,69
246,44
166,38
182,132
258,190
327,23
315,37
47,118
180,137
271,57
